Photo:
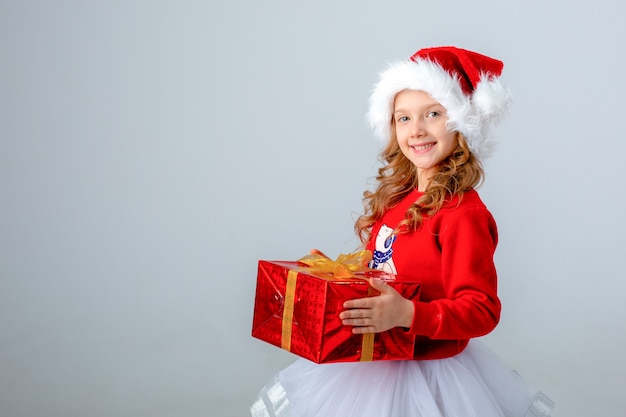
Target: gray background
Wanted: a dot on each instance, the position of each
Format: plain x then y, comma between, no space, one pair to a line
151,152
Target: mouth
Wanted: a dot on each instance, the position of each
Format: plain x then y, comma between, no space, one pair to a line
423,146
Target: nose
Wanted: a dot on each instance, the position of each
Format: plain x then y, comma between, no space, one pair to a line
418,127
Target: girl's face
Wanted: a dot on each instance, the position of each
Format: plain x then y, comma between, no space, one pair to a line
421,131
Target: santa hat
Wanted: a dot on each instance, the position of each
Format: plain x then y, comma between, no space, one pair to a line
466,83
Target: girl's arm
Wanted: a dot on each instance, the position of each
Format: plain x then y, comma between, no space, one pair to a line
470,307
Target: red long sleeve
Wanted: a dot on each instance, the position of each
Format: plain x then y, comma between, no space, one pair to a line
451,254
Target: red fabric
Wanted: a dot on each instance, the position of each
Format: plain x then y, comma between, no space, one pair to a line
467,65
451,254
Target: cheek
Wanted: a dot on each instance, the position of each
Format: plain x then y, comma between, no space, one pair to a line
452,140
401,134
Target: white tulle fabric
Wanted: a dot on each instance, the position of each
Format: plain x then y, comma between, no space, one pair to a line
474,383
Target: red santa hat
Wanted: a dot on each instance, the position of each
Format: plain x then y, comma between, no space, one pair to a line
466,83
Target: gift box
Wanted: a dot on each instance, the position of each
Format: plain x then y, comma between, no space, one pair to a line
297,308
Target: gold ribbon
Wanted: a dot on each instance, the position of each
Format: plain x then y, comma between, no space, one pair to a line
290,292
367,345
341,268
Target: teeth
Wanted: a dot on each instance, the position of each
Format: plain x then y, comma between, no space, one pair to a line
422,147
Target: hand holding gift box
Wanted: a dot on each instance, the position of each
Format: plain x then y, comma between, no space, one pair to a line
297,308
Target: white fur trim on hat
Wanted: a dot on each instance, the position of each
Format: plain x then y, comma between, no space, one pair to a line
473,114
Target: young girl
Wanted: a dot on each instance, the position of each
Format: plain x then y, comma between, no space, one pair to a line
426,222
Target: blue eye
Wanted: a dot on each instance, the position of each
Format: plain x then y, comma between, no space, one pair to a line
402,119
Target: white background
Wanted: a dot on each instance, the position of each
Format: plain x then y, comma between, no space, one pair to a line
152,151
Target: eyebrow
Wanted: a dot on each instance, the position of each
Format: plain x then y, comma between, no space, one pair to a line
427,107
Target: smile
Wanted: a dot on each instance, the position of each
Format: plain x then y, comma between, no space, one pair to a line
423,147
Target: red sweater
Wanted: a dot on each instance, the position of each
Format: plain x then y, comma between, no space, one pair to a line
451,254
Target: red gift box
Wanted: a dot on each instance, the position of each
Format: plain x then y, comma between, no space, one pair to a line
297,308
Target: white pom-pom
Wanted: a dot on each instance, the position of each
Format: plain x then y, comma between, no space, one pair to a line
491,100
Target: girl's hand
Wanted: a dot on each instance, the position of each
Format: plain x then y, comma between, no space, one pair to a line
379,313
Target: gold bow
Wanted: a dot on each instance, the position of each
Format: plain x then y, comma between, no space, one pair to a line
343,267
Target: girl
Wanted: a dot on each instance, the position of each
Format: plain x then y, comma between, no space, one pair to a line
424,221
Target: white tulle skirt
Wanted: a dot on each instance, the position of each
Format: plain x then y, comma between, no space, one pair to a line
474,383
